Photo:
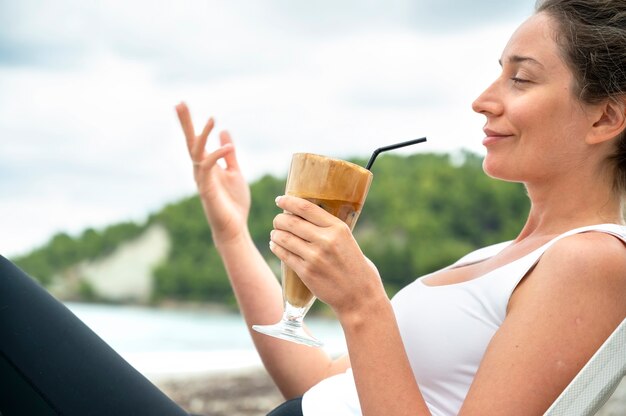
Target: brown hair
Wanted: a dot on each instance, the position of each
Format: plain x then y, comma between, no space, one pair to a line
592,37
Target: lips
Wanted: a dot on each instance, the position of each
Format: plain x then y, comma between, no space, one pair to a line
493,136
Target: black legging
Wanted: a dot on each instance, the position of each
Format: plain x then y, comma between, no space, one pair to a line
291,407
53,364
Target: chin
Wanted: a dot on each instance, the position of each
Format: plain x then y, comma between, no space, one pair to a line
498,169
489,167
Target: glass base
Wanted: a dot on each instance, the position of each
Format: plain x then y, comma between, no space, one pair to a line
289,331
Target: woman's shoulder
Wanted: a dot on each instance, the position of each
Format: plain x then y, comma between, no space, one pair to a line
594,258
583,266
602,245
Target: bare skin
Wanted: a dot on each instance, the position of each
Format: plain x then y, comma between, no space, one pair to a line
573,297
225,198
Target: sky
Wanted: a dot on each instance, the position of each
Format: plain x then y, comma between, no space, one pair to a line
88,131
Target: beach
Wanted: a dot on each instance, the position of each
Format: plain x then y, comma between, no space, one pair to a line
204,360
241,393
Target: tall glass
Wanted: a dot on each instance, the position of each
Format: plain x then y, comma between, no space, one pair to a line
340,188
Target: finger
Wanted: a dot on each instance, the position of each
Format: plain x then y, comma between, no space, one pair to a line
291,259
230,158
185,121
211,159
197,151
297,226
306,209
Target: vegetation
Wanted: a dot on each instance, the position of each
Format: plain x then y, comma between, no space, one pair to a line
64,251
423,212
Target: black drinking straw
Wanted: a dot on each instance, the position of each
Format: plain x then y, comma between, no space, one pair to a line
392,147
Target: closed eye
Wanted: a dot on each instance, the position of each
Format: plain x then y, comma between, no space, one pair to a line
517,80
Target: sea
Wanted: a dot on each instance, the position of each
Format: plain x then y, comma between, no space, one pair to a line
172,343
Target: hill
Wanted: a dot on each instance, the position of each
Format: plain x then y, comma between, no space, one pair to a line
423,212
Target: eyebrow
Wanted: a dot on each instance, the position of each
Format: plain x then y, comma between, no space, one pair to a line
517,59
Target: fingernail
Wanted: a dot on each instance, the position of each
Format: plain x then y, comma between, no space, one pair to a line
278,198
272,245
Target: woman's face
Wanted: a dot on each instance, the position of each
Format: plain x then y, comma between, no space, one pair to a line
535,127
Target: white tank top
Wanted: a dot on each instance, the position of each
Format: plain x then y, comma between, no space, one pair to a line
445,330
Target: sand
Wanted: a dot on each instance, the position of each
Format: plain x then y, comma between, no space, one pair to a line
243,393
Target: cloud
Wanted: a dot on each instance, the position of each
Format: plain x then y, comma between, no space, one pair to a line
215,37
89,135
445,16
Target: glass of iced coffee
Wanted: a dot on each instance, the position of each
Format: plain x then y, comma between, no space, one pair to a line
340,188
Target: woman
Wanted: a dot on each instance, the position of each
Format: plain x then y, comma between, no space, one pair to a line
523,316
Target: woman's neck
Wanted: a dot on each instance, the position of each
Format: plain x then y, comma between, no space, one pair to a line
555,210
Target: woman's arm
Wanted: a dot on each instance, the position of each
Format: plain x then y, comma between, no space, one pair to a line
225,198
294,368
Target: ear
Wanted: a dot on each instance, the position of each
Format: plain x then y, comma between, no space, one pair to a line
610,121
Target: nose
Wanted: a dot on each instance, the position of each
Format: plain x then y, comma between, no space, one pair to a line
488,102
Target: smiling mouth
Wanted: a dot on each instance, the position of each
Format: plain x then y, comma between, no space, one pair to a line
492,136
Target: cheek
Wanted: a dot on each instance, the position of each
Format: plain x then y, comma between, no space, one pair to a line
545,121
531,114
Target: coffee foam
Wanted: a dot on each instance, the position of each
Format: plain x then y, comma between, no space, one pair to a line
338,179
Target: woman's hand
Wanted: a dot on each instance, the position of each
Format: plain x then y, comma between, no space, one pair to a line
320,248
224,193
